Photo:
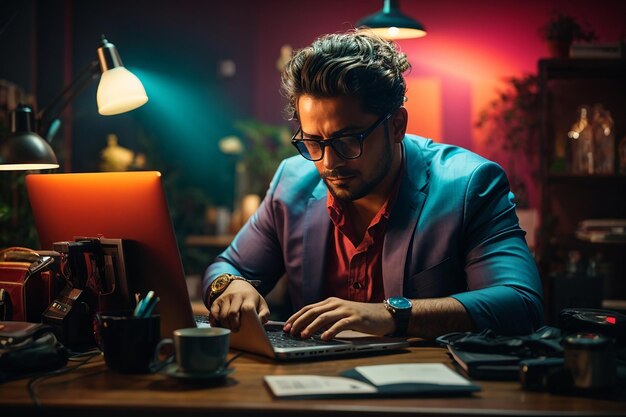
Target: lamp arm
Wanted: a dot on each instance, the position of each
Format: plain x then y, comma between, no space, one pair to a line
54,109
388,5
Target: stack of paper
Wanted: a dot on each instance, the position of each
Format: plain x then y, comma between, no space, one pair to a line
602,230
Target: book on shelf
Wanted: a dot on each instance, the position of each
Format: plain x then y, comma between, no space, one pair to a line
602,230
596,50
601,224
598,236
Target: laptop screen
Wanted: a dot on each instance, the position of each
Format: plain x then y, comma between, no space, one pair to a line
118,205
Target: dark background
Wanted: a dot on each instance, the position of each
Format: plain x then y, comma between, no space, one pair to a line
177,47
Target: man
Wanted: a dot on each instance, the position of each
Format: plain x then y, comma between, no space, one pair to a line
377,231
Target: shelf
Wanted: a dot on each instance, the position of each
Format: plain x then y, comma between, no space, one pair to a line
221,241
592,179
566,198
571,241
619,305
582,68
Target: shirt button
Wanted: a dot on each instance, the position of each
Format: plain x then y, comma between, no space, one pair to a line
357,285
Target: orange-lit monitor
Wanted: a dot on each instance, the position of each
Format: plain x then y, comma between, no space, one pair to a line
124,205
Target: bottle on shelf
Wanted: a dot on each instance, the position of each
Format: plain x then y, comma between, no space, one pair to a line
581,144
603,141
574,266
621,155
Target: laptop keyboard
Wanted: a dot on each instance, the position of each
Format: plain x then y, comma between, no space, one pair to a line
201,318
279,339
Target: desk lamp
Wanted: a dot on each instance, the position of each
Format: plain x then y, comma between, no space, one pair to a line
119,91
390,23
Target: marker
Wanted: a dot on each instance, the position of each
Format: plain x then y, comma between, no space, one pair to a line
150,306
141,306
138,308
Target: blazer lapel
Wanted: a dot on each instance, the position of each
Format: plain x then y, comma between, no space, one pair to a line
316,226
403,219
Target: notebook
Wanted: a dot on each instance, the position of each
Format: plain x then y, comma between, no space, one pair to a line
269,340
491,366
118,205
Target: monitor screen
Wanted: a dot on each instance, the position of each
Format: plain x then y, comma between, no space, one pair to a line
118,205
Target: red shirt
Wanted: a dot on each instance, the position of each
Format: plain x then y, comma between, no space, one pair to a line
354,270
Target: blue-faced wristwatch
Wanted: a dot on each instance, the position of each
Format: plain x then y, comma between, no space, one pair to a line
400,309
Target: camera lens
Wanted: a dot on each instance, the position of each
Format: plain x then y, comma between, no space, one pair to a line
590,358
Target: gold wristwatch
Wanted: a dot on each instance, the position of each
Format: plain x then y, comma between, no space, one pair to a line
219,285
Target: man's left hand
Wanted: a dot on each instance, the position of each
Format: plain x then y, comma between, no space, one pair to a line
336,315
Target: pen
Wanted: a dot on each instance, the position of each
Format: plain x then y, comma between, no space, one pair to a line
138,308
150,306
142,304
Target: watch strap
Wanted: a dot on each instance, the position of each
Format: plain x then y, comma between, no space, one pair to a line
401,318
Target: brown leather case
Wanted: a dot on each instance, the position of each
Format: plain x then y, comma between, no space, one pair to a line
24,295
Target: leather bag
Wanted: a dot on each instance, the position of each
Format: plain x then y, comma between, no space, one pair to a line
27,284
28,347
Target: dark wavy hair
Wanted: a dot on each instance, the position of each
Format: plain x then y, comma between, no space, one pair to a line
356,63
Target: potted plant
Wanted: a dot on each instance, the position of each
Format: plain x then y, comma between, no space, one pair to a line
259,148
561,30
265,146
510,124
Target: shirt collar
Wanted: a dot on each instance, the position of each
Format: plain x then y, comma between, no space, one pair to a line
336,208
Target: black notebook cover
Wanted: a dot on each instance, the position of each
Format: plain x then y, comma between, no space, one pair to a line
486,365
414,389
307,386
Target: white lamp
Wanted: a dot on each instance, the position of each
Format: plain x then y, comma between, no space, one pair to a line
119,91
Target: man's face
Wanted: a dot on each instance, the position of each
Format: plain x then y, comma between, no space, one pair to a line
347,179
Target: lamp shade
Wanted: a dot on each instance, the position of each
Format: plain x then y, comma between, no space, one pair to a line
390,23
119,90
24,149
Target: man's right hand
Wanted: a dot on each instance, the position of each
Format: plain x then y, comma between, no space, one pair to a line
239,296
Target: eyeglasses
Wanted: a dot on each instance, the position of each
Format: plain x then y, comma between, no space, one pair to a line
349,146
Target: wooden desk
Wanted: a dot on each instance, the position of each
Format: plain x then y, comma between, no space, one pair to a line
95,391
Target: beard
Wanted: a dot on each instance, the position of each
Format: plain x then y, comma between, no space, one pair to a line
356,187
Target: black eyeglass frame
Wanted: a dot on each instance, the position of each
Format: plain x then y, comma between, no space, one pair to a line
323,143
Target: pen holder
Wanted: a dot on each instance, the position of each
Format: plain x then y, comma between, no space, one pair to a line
128,342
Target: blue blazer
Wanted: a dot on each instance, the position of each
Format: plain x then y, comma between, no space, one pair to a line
452,232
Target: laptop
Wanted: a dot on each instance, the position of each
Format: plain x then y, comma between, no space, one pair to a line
118,205
132,206
269,340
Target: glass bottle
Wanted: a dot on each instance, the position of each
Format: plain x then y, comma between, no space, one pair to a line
581,143
621,155
603,140
573,266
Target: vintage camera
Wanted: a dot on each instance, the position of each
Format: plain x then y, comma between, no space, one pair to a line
94,271
591,347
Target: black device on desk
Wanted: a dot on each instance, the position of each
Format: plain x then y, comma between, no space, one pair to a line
606,322
69,315
95,275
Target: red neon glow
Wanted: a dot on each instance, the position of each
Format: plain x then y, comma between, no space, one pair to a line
611,320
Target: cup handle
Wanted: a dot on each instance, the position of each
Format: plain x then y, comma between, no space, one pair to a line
156,364
96,326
